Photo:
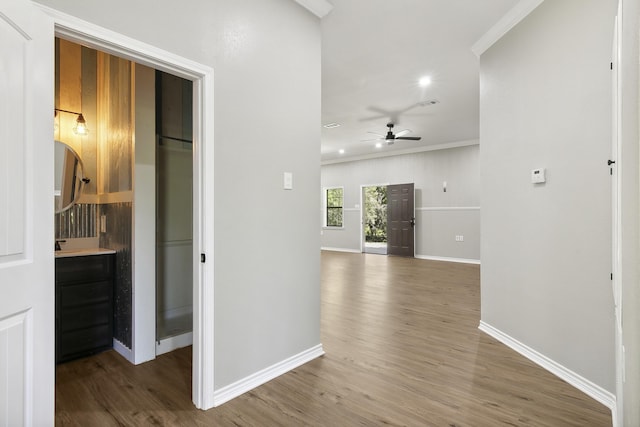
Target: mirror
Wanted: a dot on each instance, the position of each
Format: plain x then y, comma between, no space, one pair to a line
68,177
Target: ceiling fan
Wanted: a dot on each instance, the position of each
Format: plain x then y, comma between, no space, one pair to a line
390,137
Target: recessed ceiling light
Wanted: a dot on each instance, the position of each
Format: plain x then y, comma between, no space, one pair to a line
332,125
378,144
424,81
341,151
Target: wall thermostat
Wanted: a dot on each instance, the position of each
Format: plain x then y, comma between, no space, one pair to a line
538,176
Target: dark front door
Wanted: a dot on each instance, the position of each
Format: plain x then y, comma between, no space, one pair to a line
400,220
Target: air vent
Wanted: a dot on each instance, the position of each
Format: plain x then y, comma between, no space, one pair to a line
331,125
428,102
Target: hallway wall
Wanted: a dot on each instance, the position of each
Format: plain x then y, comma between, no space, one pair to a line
546,248
266,58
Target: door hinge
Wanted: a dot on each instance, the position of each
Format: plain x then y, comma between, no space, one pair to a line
611,65
611,276
203,258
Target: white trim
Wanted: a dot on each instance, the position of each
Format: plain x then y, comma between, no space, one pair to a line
506,23
88,34
598,393
351,251
96,37
167,345
351,209
123,351
436,147
203,237
449,259
449,208
616,212
244,385
320,8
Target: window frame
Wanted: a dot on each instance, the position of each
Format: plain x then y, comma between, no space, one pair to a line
326,207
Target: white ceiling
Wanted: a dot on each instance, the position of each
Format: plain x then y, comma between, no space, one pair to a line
373,54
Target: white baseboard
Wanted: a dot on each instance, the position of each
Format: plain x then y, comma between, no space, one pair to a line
123,350
173,343
448,259
603,396
252,381
353,251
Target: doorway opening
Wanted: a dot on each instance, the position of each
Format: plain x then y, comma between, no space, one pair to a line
113,94
388,219
374,219
143,343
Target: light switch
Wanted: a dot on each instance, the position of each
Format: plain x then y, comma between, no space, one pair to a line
288,181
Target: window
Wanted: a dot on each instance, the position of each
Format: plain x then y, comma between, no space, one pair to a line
334,197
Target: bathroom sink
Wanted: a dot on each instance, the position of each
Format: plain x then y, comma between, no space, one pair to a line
83,252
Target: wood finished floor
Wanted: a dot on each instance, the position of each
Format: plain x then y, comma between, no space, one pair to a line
402,348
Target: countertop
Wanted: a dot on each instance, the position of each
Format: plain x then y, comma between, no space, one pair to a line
65,253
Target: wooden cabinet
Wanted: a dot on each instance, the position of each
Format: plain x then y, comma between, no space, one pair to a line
84,305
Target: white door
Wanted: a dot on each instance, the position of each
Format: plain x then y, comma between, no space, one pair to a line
26,216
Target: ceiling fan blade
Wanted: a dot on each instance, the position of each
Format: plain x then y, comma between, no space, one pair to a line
403,132
410,138
371,118
369,140
378,134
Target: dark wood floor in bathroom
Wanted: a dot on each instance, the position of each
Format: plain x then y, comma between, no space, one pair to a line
402,348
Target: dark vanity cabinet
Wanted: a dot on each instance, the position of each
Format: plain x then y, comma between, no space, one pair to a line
84,305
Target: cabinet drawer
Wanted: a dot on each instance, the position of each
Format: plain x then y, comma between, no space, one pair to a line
84,268
84,341
85,317
84,293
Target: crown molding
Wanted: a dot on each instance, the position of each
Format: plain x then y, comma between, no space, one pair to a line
444,146
320,8
506,23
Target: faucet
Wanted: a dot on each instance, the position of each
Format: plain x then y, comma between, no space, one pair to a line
58,248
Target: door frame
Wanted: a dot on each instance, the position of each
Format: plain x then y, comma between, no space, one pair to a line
616,215
79,31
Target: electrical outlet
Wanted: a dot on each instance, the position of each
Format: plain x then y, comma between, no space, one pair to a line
103,223
459,238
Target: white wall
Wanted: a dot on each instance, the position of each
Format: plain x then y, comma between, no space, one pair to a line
629,162
546,248
440,216
144,213
266,60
